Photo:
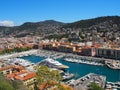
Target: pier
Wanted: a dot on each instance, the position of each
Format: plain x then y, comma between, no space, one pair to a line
85,81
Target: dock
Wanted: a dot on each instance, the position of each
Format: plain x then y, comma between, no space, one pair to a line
85,81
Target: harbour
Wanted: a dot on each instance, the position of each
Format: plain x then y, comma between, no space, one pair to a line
79,69
76,70
82,69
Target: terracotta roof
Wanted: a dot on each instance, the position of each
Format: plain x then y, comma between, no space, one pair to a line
19,67
25,76
15,74
7,67
11,66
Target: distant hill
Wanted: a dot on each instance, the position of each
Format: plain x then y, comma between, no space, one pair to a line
51,27
95,21
31,28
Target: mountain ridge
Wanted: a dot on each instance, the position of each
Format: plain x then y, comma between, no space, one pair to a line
52,26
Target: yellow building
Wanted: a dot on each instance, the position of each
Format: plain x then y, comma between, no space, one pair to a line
28,79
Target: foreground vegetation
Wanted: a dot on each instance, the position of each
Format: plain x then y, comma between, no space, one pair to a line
6,84
48,78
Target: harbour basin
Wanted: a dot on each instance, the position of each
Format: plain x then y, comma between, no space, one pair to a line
80,70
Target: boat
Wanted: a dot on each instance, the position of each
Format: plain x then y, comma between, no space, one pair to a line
82,61
51,63
68,76
20,61
112,65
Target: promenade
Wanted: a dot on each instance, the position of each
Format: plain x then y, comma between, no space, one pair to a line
18,54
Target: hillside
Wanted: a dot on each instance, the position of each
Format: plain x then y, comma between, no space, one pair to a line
95,21
30,28
48,27
101,29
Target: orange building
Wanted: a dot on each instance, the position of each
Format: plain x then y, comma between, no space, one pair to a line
10,69
27,78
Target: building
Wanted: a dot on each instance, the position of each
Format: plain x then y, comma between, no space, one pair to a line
10,69
66,48
27,78
108,53
88,51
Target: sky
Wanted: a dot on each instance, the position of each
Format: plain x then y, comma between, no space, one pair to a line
16,12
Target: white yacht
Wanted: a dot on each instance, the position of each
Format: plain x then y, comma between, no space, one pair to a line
52,63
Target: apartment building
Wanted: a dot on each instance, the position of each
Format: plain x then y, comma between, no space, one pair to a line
108,53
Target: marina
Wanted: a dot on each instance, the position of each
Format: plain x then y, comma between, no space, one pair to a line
21,62
83,61
80,69
83,69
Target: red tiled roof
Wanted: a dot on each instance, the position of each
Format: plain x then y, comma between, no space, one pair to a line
15,74
26,77
7,67
11,66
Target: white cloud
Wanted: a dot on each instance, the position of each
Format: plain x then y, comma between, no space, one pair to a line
7,23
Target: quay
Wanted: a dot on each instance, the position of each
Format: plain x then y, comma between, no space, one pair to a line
85,81
18,54
48,53
82,59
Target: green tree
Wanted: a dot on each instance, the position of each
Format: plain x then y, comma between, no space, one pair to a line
45,75
18,85
5,84
56,76
94,86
